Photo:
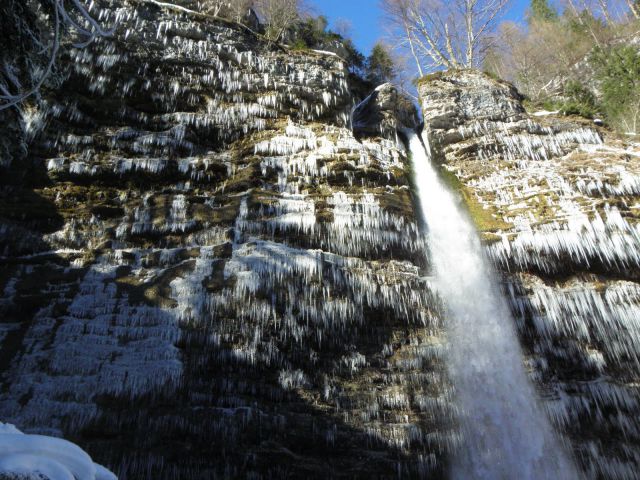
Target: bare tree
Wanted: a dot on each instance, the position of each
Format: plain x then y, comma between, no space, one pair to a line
634,8
604,20
235,10
397,12
578,7
238,9
604,8
610,13
278,15
450,34
29,58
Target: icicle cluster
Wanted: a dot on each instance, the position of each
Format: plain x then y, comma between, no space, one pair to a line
561,219
591,326
194,79
229,259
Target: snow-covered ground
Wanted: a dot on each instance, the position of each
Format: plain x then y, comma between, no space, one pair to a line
52,458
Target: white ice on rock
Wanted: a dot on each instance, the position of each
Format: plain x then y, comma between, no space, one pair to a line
568,243
105,344
611,240
224,90
53,458
555,188
505,433
545,113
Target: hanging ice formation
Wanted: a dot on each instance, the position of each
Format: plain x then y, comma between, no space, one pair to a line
219,273
557,205
505,434
206,241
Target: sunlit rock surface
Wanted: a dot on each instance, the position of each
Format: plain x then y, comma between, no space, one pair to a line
558,203
203,274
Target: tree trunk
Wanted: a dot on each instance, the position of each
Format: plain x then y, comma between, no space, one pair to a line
413,49
468,14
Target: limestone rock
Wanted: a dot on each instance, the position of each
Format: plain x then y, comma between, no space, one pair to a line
208,276
557,202
455,98
384,112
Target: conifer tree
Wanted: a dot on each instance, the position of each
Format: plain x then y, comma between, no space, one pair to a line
541,10
380,66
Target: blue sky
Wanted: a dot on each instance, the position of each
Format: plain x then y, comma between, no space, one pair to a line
366,21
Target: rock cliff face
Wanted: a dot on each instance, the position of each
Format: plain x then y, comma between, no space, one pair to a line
558,204
203,274
383,113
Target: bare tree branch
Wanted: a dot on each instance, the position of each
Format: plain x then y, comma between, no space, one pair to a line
445,34
278,16
61,17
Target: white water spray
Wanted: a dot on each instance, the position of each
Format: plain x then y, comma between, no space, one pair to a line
506,435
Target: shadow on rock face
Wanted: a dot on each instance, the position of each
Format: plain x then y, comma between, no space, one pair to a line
231,419
384,112
26,217
169,347
234,415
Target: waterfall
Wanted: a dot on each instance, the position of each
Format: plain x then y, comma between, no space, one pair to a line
505,433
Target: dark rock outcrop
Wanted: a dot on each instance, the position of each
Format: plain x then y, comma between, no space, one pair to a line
383,113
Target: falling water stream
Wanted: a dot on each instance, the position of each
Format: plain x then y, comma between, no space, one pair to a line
506,434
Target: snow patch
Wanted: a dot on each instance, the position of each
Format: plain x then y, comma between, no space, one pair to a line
325,52
544,113
55,458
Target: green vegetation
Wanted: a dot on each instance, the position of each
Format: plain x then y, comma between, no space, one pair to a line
485,220
578,61
430,77
492,75
618,70
380,67
299,45
541,10
286,21
579,100
313,33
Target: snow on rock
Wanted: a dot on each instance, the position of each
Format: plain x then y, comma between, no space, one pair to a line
545,113
325,52
53,458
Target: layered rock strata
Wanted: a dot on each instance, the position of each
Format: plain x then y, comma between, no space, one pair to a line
203,274
383,113
557,201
